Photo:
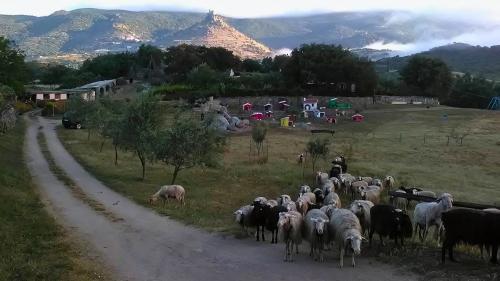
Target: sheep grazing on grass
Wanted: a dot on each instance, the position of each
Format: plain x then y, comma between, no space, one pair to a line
315,231
290,232
345,230
361,208
473,227
334,199
300,158
399,202
372,195
283,199
389,221
272,218
428,214
243,217
167,192
388,183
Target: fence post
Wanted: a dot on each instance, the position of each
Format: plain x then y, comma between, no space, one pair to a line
448,142
424,138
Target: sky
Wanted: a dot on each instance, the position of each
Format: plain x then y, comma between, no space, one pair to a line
483,10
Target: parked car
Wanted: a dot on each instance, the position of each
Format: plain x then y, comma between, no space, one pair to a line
70,122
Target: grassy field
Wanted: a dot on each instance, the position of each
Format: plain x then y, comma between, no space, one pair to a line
33,246
389,142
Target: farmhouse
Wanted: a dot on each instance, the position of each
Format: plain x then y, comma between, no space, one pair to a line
101,88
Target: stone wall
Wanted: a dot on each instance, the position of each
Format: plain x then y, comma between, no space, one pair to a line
405,100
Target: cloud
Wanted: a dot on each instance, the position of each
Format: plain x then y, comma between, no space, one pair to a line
482,37
487,10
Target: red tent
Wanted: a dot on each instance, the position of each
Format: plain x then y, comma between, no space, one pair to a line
357,117
257,116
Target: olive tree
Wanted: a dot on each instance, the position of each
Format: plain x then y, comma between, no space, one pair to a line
259,132
139,126
317,148
187,143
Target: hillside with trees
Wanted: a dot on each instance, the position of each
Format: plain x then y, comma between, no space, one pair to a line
476,60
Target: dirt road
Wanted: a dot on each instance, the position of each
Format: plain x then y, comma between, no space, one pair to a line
146,246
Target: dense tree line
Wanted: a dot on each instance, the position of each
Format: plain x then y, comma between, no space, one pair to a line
13,70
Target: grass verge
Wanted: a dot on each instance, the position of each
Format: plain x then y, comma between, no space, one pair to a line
33,246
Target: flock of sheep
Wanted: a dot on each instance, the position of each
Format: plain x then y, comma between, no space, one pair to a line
317,216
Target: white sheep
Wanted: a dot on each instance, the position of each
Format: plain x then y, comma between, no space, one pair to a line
315,231
283,199
356,186
425,193
242,217
388,183
346,180
271,203
367,179
290,206
336,183
428,214
377,182
372,195
344,228
361,208
261,200
304,202
166,192
311,196
290,232
304,189
327,186
333,198
321,178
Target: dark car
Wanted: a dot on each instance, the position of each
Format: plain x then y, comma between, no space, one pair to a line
70,122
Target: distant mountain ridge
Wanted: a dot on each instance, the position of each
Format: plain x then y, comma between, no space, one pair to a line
94,31
460,57
214,31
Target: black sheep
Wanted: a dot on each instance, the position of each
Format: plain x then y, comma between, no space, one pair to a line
389,221
473,227
272,218
320,196
259,216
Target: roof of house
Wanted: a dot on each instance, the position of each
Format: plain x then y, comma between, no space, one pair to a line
310,100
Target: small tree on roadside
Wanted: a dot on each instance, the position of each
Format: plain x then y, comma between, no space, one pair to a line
259,132
112,124
139,127
317,148
186,144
